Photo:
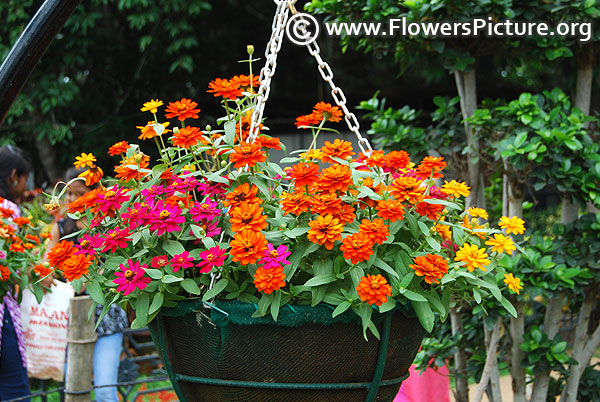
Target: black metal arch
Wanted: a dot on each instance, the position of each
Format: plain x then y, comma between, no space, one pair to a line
30,47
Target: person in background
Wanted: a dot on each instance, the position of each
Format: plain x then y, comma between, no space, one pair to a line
14,173
108,347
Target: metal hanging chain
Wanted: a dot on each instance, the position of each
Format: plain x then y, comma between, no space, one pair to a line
267,72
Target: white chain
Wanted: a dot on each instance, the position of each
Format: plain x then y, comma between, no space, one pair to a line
273,47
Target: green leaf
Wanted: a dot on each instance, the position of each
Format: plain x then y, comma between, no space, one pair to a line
95,291
434,244
172,247
141,311
365,312
216,289
343,306
476,295
508,306
321,280
229,127
171,279
153,273
190,286
156,303
276,305
379,263
409,294
389,305
424,313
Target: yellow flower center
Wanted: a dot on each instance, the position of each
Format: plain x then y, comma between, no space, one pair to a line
274,253
129,274
84,243
109,194
164,214
210,257
113,234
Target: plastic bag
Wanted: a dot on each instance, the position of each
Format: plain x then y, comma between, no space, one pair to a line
46,326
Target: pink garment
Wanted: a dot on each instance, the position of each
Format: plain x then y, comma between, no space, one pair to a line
428,386
9,301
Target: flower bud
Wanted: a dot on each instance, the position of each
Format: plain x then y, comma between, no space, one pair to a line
53,205
138,157
175,130
208,127
432,230
223,163
250,49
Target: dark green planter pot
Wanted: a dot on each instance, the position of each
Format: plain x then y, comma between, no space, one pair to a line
306,356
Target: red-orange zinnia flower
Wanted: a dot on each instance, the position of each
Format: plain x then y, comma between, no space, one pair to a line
377,230
119,148
225,88
186,137
339,148
397,160
429,165
247,155
182,109
335,178
248,246
432,211
295,203
126,173
4,273
431,267
92,175
357,247
307,120
268,280
392,210
247,216
60,253
373,289
325,230
304,174
76,266
242,193
325,111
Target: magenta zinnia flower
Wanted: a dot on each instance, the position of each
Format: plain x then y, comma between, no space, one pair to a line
182,260
207,210
134,216
213,257
275,258
131,277
88,244
116,237
111,199
153,191
212,188
436,192
159,262
165,218
210,228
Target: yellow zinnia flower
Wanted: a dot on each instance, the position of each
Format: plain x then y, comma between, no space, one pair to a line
514,225
501,243
473,256
84,160
478,213
152,106
456,189
513,283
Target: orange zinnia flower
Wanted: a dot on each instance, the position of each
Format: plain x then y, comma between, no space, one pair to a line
269,142
392,210
148,130
182,109
432,211
345,213
21,221
340,149
325,230
84,160
325,111
268,280
472,256
92,176
60,253
4,273
377,158
33,238
185,137
377,230
248,216
247,155
431,267
242,193
397,160
307,120
245,81
17,247
444,231
248,246
295,203
373,289
431,165
473,226
225,88
304,174
335,178
42,270
326,203
126,173
357,247
514,225
76,266
119,148
406,188
88,200
6,212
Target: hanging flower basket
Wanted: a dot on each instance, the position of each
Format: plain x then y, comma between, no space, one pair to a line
223,354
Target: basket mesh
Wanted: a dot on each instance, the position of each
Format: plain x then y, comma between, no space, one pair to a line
296,349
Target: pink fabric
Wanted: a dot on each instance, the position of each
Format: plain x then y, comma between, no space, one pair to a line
428,386
11,304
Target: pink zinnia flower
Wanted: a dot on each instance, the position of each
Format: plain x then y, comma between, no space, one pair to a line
134,216
212,188
152,192
116,237
210,228
131,277
165,218
436,192
213,257
2,255
111,199
88,244
275,258
207,210
446,244
184,183
159,262
182,260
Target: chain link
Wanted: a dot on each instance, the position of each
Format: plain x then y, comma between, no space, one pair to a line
267,72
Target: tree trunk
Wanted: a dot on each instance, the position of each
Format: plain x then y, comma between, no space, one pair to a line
585,77
461,391
551,327
491,360
517,331
47,155
467,91
584,346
